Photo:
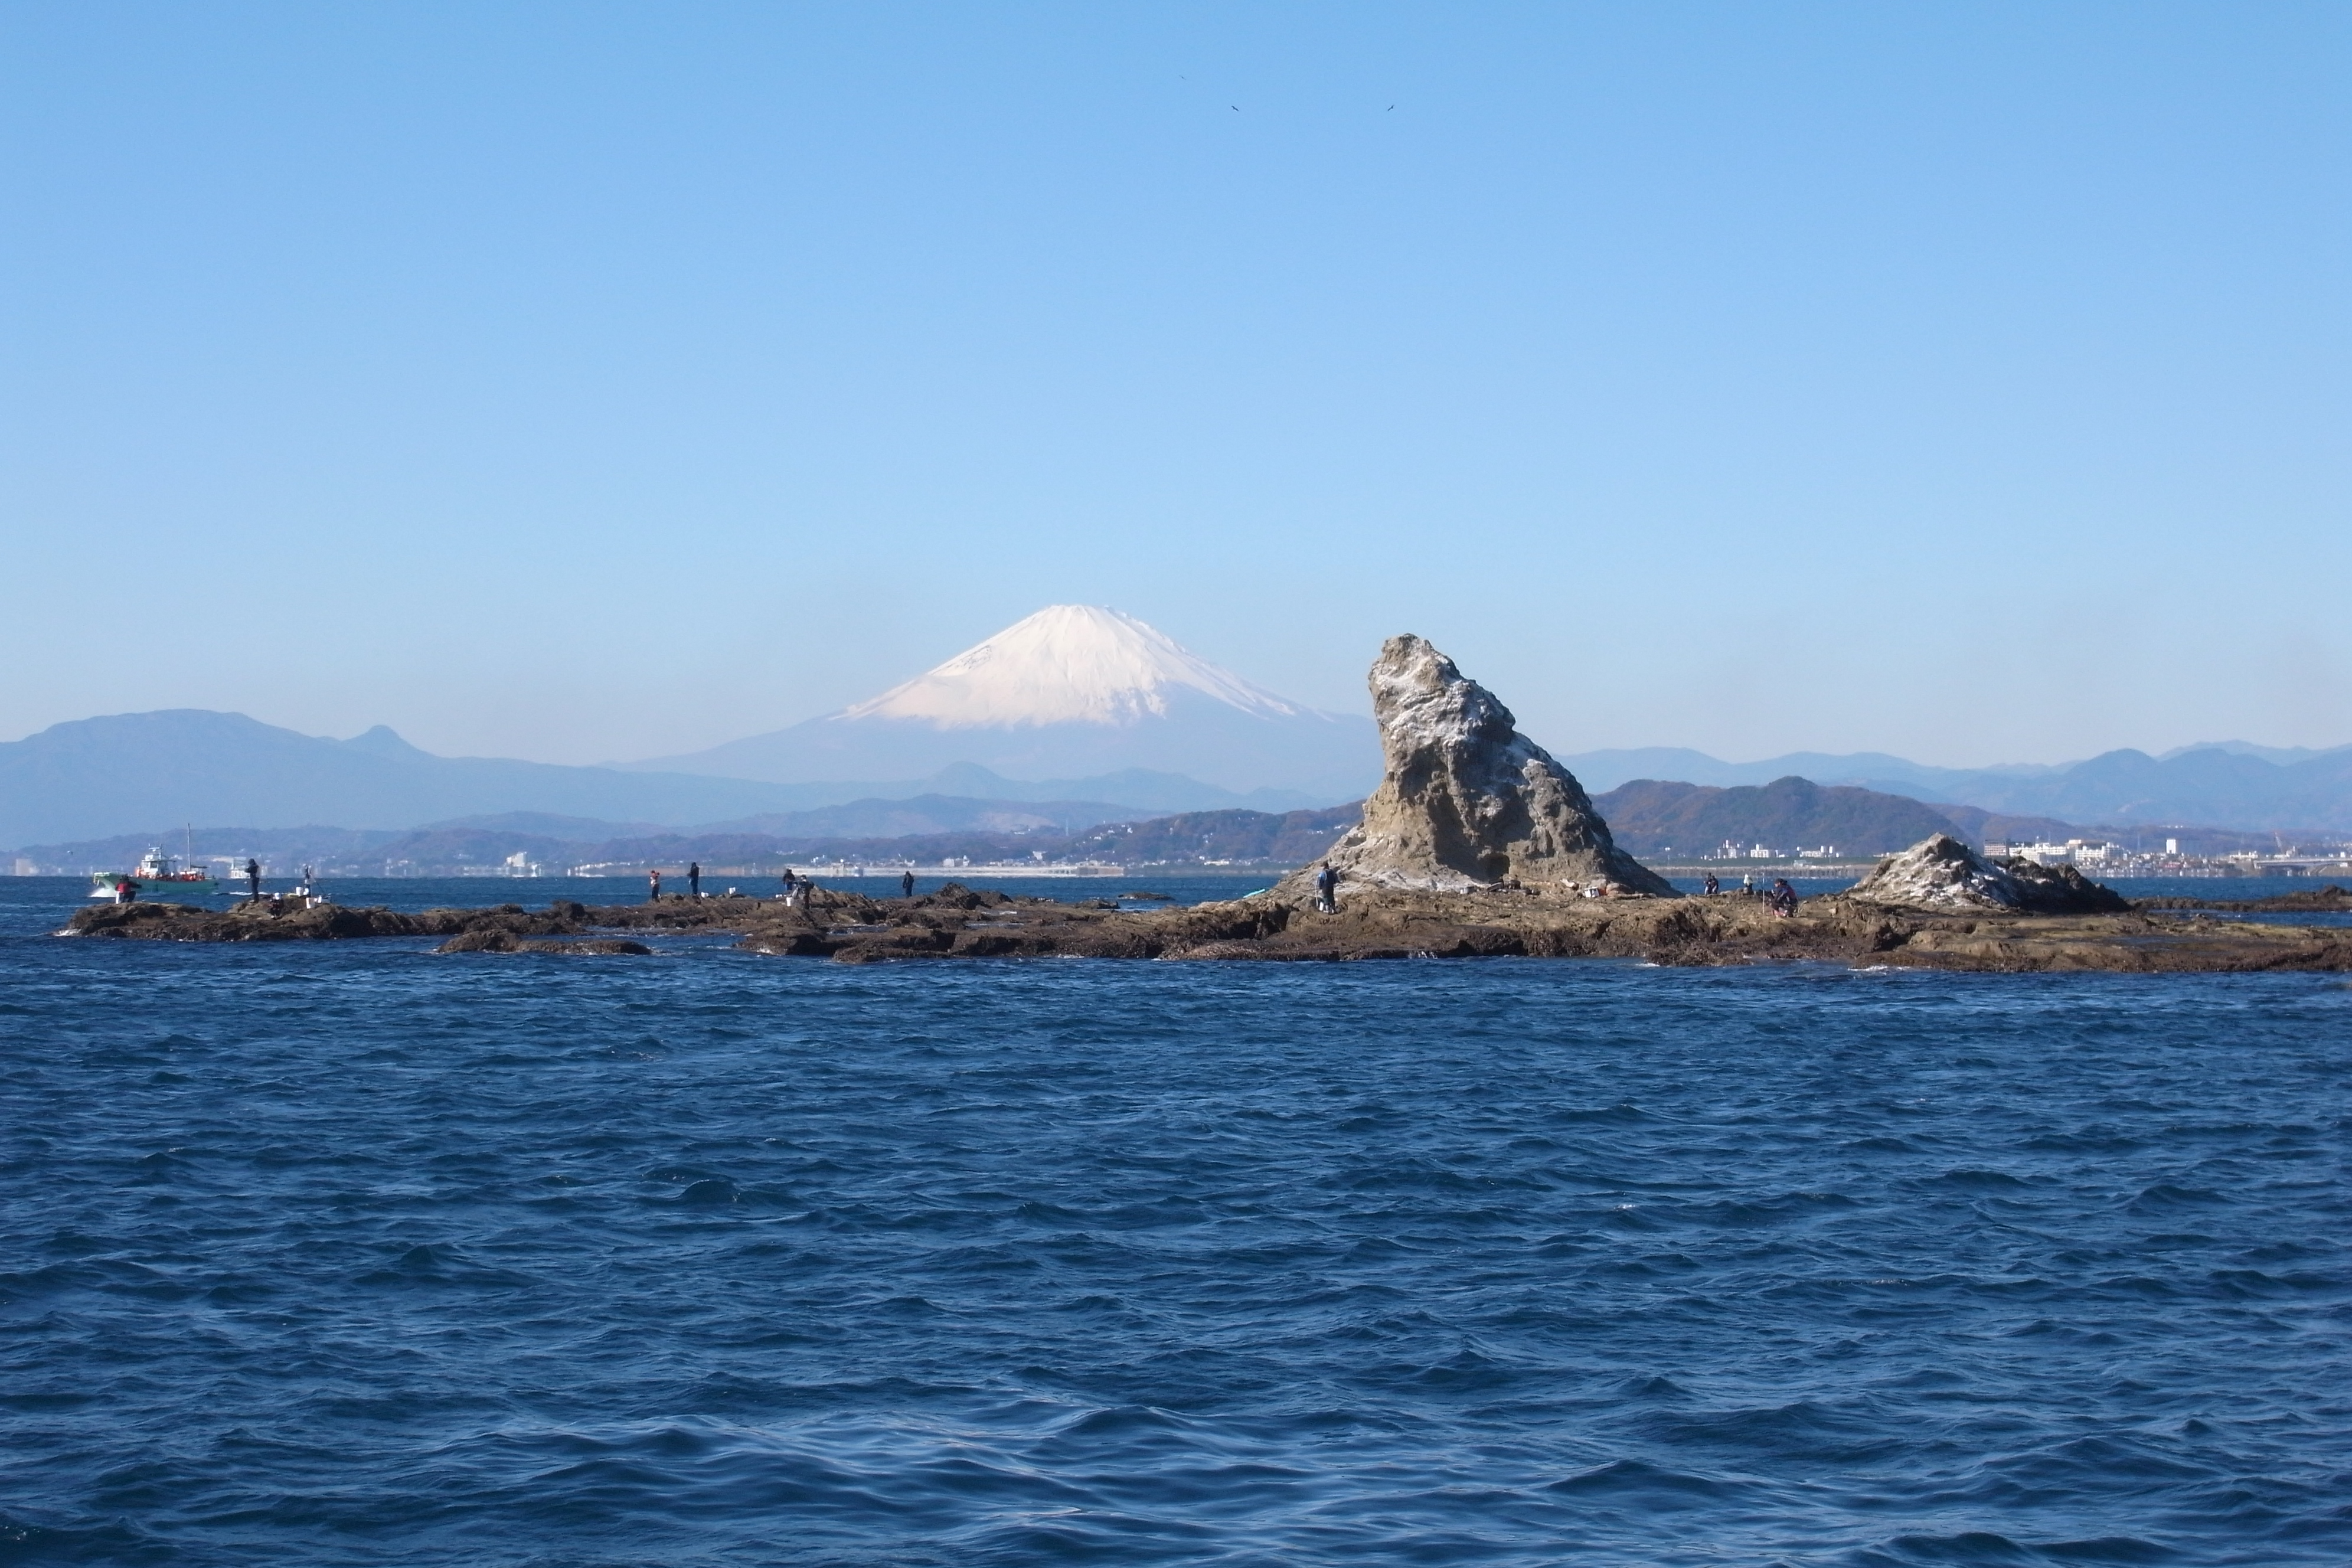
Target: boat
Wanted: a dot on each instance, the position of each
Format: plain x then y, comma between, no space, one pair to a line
158,876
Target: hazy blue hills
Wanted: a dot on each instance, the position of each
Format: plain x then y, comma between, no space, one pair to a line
2230,784
143,772
1144,789
1604,771
1652,817
936,829
1304,756
1655,817
2212,786
137,772
557,842
870,819
1219,838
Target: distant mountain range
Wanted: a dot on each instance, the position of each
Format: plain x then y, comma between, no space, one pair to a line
143,772
2228,785
472,843
139,774
1656,819
928,831
1653,818
1075,709
1650,817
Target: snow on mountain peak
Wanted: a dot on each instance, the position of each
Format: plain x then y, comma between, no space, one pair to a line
1066,663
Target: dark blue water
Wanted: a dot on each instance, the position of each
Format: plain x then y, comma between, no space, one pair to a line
348,1253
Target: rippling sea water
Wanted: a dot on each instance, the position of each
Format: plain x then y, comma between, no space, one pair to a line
354,1254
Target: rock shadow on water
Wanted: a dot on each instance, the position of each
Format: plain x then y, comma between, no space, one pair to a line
1802,1429
441,1264
1992,1550
1635,1483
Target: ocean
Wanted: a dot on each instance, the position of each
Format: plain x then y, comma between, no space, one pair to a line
352,1253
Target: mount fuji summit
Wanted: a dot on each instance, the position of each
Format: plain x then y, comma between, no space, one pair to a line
1071,691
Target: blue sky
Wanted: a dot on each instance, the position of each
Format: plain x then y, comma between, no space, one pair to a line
581,382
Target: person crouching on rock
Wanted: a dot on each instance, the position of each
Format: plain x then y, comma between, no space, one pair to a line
1782,900
792,887
1326,891
1712,885
653,887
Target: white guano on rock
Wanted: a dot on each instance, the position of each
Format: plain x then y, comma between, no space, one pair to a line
1941,875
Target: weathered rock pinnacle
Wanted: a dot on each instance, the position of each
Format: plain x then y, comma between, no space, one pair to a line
1467,802
1940,873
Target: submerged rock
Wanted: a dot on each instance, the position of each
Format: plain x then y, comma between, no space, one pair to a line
507,941
1467,802
1941,874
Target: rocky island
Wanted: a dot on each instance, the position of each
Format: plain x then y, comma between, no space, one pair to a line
1476,844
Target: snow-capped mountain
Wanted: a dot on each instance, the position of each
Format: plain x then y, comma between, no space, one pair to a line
1081,664
1071,690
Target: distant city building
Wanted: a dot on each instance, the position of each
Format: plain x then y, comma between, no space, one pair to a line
2074,851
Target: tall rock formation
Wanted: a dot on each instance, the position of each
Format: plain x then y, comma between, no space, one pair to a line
1941,875
1467,802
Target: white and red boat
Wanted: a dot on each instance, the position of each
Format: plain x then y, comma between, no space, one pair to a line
158,877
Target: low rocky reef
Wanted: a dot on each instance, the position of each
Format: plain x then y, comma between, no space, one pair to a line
1478,844
1369,924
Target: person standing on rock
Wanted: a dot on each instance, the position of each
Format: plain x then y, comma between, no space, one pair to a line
653,887
694,878
253,877
792,883
907,885
1327,889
